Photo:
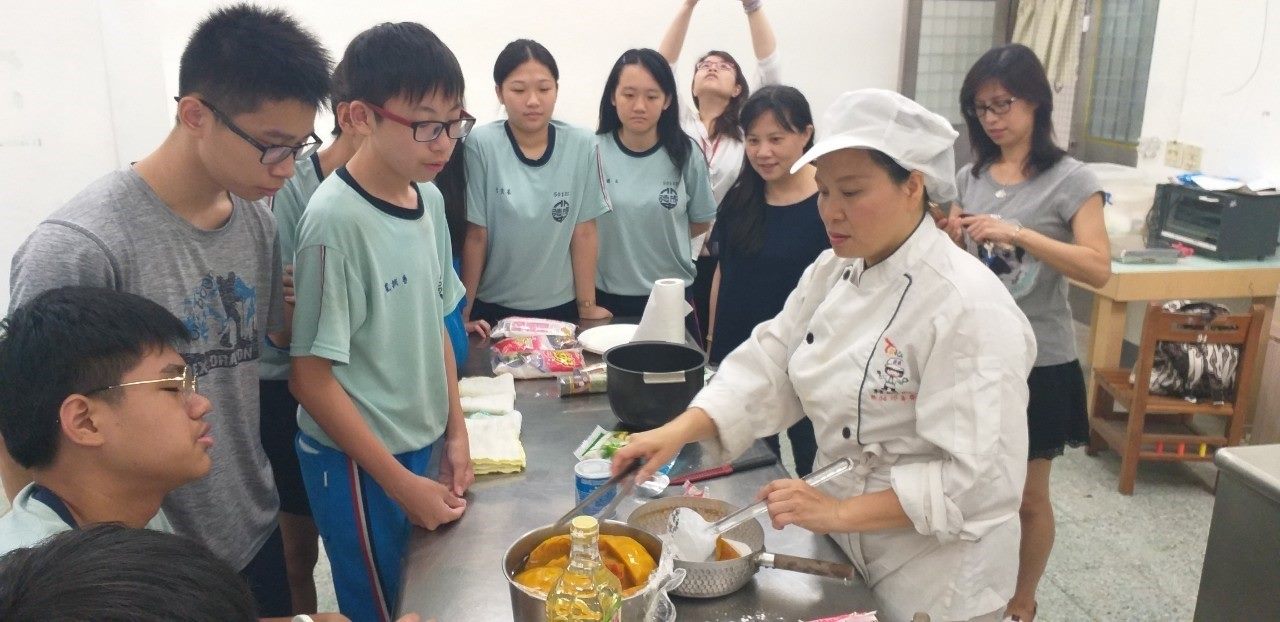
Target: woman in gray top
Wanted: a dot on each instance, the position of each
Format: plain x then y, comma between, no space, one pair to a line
1034,215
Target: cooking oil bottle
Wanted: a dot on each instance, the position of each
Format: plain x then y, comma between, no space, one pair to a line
587,591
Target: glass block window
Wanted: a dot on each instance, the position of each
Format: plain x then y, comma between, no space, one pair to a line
953,34
1125,37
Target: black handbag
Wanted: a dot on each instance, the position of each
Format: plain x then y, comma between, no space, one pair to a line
1195,371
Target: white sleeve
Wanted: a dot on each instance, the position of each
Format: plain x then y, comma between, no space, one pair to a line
973,406
751,395
769,69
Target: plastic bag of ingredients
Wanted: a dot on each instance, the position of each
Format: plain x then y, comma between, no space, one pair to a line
533,343
537,363
531,327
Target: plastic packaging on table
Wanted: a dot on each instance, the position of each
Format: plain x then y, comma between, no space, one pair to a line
532,327
591,379
537,364
515,345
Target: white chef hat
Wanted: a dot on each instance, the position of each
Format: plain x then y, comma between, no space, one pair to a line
893,124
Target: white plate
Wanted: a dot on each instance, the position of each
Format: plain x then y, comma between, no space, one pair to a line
602,338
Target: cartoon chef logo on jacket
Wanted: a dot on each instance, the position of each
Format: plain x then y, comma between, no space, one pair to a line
892,377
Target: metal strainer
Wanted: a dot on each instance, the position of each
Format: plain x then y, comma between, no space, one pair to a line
715,578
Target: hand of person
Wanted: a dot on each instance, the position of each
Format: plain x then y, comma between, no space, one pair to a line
289,296
988,228
655,447
593,312
456,472
428,503
794,502
479,327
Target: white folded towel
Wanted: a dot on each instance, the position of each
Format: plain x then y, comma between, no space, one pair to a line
494,442
488,395
477,386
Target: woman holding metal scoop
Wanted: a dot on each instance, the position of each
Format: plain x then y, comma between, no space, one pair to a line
910,358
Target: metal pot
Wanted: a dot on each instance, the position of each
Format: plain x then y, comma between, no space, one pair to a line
526,607
650,382
718,578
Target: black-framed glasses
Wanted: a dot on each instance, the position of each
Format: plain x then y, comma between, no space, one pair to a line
270,154
188,386
427,131
998,108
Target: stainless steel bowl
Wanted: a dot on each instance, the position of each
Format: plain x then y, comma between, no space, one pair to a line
718,578
526,607
705,579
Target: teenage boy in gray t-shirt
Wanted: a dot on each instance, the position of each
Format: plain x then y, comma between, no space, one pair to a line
188,226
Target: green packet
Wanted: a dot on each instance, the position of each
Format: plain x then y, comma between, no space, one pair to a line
601,443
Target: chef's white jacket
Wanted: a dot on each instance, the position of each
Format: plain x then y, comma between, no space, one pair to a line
915,368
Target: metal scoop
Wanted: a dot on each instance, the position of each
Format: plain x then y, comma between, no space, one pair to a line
695,538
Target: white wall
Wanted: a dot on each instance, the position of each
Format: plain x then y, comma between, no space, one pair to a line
85,85
1200,91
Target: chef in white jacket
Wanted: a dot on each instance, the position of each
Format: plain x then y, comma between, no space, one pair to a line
910,357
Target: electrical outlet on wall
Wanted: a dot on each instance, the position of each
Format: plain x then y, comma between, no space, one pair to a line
1173,154
1191,157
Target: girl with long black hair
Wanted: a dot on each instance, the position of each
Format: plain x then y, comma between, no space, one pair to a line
768,232
656,182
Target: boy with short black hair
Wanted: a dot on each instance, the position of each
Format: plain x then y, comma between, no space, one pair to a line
373,367
187,227
96,401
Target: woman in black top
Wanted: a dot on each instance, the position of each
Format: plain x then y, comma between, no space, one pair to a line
768,232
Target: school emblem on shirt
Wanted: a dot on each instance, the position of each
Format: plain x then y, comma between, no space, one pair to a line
221,313
892,376
560,210
668,198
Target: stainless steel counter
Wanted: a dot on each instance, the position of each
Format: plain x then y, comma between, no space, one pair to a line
455,573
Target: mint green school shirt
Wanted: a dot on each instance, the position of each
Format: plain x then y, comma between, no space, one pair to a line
373,284
287,207
29,522
646,236
530,208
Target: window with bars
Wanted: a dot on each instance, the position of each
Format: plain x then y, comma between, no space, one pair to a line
953,34
1126,32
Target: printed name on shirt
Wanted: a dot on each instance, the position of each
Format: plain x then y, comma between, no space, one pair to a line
395,283
499,190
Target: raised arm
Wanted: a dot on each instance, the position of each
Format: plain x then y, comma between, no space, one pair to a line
762,40
673,40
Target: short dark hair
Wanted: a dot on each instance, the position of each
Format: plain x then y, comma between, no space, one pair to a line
242,56
1019,71
517,53
339,93
65,341
670,135
727,123
743,208
112,573
404,59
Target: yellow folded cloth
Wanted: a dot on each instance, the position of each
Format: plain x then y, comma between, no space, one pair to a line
494,441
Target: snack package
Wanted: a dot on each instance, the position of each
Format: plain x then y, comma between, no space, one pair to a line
517,345
532,327
537,364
